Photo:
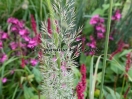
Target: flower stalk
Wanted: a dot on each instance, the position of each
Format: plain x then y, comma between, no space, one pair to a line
106,47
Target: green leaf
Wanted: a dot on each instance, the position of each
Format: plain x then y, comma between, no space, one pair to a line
112,95
88,59
105,6
28,92
37,74
130,74
91,94
115,62
83,58
87,28
9,61
125,52
99,76
93,77
76,72
98,11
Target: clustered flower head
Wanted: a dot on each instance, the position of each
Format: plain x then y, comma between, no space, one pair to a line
20,41
18,27
99,30
99,26
82,84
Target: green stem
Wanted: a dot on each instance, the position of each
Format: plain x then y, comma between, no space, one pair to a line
106,47
122,88
41,10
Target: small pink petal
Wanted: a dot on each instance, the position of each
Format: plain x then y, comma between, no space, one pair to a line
4,36
13,45
34,62
3,58
4,80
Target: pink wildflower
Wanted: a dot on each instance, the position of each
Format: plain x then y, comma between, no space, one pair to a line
4,36
16,22
4,80
13,45
12,20
26,38
91,53
21,24
117,15
91,37
94,20
100,27
32,43
23,32
111,38
14,28
92,44
3,58
101,20
100,35
22,44
34,62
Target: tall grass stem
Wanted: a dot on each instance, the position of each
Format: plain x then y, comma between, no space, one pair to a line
106,47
